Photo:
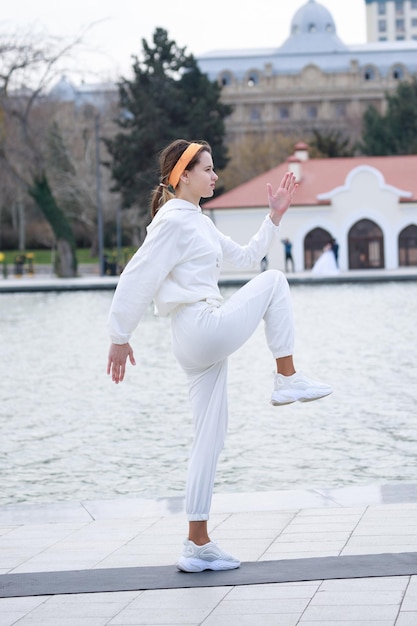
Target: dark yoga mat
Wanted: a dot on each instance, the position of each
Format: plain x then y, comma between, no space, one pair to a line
167,577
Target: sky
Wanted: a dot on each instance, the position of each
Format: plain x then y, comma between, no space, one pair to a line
116,28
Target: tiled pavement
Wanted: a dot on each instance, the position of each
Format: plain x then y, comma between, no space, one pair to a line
255,527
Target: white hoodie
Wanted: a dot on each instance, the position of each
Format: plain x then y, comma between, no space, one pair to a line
179,263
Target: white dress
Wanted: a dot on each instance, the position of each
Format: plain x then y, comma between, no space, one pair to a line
325,264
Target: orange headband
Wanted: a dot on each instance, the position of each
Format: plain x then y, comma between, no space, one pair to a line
181,165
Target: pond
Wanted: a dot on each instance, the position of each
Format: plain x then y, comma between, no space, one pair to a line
68,433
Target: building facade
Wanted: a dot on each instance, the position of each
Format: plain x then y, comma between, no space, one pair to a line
312,81
391,20
367,204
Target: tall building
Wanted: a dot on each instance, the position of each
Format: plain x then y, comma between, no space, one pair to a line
391,20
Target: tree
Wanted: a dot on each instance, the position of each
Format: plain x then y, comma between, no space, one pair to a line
394,132
66,260
330,144
167,98
28,151
255,154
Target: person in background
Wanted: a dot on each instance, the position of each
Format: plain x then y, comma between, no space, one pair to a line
326,263
335,248
264,263
288,254
178,268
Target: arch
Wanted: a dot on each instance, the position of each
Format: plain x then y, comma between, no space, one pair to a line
225,79
370,72
252,78
311,73
398,72
407,246
314,242
366,246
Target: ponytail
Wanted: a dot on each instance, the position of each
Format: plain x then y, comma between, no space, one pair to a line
160,196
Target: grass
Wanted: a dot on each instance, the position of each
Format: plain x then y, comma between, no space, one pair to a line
44,257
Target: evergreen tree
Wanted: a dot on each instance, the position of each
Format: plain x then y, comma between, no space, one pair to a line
330,144
167,98
395,132
66,260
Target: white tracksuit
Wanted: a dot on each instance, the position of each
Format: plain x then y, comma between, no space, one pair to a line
178,267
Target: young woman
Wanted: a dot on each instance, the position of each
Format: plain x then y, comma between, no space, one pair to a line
178,267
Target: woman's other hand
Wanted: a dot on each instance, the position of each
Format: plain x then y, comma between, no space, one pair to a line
116,364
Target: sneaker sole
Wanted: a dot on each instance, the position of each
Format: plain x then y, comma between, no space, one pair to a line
199,565
281,402
284,401
324,395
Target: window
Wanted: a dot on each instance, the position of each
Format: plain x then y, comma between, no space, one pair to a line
414,22
397,72
399,7
311,111
382,26
255,114
314,242
407,245
414,5
340,109
369,73
284,113
399,26
366,246
252,79
312,28
225,79
382,9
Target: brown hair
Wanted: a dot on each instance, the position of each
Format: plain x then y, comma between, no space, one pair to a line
167,161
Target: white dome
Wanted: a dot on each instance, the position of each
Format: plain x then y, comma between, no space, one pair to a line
64,91
313,30
312,18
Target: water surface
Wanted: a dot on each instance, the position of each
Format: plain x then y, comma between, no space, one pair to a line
68,433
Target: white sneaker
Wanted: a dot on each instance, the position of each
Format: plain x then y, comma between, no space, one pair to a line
289,389
209,556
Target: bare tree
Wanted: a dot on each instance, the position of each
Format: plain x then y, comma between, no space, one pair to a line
253,154
31,146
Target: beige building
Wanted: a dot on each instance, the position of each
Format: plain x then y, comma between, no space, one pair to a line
312,81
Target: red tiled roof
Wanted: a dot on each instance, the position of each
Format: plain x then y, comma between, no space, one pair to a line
320,176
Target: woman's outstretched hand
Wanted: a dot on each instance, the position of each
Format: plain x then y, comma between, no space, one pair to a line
116,364
280,201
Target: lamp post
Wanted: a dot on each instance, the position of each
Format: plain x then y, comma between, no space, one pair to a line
118,231
100,236
124,116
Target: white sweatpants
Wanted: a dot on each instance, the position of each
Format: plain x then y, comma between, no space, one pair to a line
204,334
